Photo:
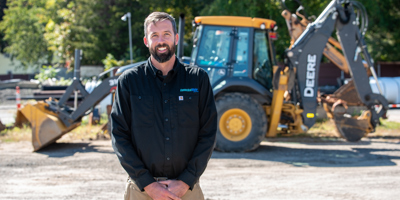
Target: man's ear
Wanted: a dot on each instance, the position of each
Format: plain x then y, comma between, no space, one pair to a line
145,41
176,39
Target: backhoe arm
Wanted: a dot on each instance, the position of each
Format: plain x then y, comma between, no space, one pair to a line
305,56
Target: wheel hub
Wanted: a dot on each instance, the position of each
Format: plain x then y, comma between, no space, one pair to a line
235,124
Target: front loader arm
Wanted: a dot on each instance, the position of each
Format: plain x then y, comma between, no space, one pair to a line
69,116
305,56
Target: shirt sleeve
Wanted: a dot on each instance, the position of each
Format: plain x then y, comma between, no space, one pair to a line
206,135
121,136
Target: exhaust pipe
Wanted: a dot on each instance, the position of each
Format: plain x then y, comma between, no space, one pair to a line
181,35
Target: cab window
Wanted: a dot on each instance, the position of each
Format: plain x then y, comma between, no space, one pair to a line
215,45
242,53
262,65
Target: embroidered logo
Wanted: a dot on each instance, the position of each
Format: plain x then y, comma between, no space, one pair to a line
180,98
190,90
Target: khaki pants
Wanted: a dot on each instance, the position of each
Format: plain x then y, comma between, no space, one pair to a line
132,192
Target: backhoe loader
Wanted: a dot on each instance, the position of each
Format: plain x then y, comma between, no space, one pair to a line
239,56
250,89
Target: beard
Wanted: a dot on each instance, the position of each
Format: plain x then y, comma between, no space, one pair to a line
162,57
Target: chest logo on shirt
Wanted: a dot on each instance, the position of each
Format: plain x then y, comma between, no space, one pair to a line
180,98
194,90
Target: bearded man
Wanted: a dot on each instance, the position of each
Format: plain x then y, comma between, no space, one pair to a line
163,120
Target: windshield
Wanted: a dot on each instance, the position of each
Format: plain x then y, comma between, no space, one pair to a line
211,50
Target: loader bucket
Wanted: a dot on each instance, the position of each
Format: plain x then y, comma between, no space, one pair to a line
46,126
353,128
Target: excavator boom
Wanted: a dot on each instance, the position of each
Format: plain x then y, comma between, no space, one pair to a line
305,57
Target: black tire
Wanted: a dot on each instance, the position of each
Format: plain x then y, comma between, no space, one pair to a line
243,125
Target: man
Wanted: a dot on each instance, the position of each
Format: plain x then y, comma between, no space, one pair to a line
163,119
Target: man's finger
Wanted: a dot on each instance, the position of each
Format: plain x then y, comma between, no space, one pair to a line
174,197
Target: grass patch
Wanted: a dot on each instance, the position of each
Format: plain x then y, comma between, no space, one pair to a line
327,128
323,128
389,125
82,132
16,134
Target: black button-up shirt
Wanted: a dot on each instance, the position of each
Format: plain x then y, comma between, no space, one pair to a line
164,126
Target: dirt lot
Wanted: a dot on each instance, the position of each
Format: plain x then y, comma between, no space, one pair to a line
282,168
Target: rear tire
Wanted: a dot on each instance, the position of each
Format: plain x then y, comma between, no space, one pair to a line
242,123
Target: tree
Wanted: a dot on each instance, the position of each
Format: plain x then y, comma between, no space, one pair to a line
2,7
23,28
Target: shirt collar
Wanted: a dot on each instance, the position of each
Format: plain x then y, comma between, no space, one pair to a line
170,74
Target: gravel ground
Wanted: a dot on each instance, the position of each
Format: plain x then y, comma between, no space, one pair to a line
282,168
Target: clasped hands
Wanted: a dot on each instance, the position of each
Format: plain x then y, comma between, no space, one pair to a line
166,190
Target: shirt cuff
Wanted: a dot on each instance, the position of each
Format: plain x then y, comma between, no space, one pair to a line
144,180
188,178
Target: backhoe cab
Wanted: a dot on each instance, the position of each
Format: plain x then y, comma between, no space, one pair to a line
239,56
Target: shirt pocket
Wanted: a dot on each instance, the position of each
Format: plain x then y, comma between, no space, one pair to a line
143,111
188,110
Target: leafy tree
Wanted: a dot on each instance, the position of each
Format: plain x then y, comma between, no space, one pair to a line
48,31
23,27
2,7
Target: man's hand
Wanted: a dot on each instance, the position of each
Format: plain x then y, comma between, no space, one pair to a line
158,191
178,187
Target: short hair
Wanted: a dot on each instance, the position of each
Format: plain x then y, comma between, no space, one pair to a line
156,17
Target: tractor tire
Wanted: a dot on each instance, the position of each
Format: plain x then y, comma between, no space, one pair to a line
242,123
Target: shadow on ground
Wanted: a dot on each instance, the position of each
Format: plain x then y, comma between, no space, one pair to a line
360,154
69,149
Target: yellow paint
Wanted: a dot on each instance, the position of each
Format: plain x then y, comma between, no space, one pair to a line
310,115
235,124
234,21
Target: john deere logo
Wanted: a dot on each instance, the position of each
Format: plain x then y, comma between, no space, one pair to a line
190,90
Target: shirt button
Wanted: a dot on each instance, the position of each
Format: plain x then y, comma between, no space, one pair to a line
166,119
165,84
168,158
167,138
166,101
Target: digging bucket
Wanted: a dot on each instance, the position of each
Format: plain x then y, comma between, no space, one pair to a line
46,126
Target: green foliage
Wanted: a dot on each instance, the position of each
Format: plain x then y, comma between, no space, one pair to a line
2,7
23,28
110,62
46,72
43,32
390,125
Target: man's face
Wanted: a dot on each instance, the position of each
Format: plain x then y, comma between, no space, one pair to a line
161,40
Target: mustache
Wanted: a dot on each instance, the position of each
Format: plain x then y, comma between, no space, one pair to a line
162,45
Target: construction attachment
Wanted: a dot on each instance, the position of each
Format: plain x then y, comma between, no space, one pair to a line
50,119
46,126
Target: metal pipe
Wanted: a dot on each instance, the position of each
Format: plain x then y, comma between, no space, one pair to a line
77,67
181,35
130,36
